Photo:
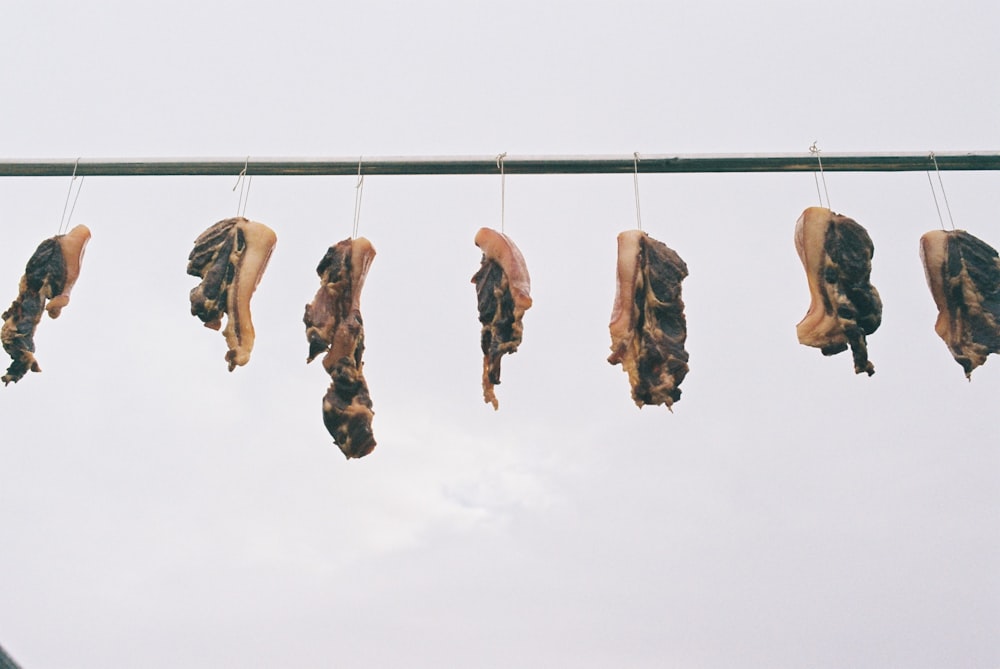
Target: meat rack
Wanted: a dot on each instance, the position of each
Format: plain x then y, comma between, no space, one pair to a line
645,163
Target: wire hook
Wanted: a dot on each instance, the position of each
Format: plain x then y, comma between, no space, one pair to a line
64,219
503,189
241,181
242,173
814,149
359,188
944,195
635,180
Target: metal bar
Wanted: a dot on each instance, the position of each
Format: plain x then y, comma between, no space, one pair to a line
661,163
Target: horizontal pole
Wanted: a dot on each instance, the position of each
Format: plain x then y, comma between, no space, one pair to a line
660,163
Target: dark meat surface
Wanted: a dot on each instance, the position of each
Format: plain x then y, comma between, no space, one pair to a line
844,307
48,278
230,257
648,327
963,273
334,326
503,290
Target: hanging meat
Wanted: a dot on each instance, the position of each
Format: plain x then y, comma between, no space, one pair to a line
648,327
963,273
50,275
844,307
503,289
334,327
230,257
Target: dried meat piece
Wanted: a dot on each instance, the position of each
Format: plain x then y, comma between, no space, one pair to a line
844,306
49,277
503,290
230,257
334,326
963,273
648,327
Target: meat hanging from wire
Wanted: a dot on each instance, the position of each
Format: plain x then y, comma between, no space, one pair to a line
648,327
844,307
49,276
230,258
503,292
963,273
334,327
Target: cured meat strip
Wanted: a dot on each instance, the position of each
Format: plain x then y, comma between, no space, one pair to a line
648,327
230,257
844,306
503,289
963,273
50,275
334,327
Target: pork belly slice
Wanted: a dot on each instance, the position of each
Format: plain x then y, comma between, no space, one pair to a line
963,273
503,290
844,307
334,326
648,327
230,257
49,277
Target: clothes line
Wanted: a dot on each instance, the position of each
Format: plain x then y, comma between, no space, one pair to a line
392,166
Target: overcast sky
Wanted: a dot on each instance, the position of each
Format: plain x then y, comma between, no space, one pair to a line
159,511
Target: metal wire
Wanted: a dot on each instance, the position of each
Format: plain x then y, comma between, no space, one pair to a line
815,151
64,219
635,183
243,182
944,195
359,189
503,190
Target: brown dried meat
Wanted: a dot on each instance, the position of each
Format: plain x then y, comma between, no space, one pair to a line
844,306
334,327
230,257
963,273
503,291
648,327
49,276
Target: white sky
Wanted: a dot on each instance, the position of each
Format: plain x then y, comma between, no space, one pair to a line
158,511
